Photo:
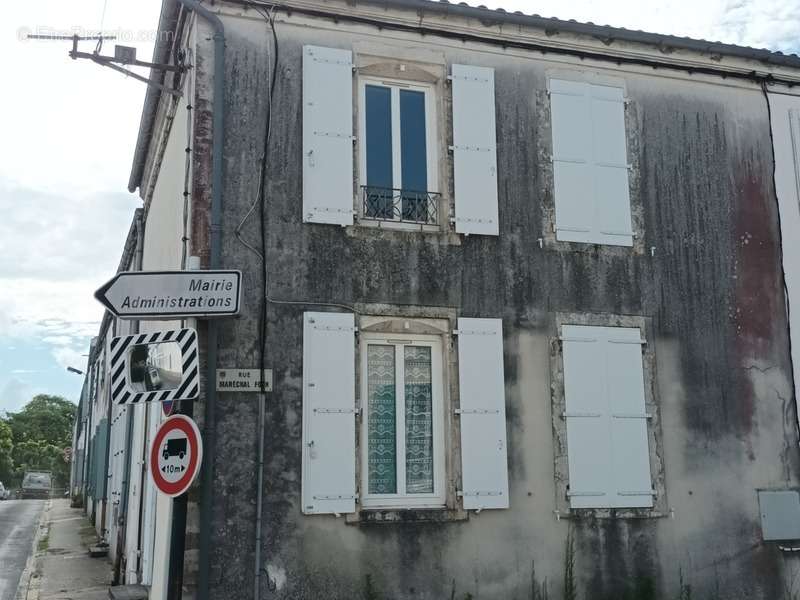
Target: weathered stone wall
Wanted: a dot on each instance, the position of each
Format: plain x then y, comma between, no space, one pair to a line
706,275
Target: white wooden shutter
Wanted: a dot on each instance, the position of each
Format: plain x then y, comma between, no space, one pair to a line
590,164
588,441
630,448
608,453
475,150
327,135
329,452
484,462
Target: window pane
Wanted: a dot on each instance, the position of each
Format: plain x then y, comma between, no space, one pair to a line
414,155
381,426
380,182
419,420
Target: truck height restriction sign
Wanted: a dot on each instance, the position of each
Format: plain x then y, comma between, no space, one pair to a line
175,455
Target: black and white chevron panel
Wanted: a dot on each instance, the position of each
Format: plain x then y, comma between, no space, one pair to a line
122,392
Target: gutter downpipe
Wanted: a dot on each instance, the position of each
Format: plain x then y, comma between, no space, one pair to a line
218,133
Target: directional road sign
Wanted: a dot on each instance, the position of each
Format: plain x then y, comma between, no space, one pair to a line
165,294
175,455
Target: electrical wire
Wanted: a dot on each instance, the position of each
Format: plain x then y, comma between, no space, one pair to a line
99,46
261,203
272,68
260,200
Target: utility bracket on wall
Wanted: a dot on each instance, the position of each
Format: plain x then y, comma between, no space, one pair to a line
123,55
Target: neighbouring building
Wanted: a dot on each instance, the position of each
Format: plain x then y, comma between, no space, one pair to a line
524,288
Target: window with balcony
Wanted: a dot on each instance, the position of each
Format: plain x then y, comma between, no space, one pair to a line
398,172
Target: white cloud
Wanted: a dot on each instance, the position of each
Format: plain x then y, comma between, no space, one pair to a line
70,357
58,236
69,133
14,394
69,136
769,24
80,123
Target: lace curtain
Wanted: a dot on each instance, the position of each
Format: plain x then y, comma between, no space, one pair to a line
382,419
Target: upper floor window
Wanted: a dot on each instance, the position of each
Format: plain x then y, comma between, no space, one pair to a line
404,173
590,165
398,157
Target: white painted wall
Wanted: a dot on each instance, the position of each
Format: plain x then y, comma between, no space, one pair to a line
786,140
135,489
162,251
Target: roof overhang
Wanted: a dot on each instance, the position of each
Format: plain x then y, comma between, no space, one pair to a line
760,63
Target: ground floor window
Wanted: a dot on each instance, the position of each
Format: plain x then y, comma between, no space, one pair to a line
606,417
402,426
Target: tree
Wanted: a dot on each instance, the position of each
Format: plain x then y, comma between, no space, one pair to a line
41,432
6,448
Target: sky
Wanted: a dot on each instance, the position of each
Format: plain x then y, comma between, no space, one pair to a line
69,128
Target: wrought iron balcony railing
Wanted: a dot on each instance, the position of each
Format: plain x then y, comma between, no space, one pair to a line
403,206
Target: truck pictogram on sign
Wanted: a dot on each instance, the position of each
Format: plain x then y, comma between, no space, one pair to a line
175,455
174,447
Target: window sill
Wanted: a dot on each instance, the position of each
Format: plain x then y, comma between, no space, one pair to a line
614,513
398,225
369,229
377,516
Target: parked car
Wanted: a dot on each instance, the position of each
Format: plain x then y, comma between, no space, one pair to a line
5,493
36,484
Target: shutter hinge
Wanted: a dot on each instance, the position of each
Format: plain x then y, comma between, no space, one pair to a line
350,497
581,494
648,493
473,332
578,415
475,411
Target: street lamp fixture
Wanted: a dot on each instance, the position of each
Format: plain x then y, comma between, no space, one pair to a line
74,370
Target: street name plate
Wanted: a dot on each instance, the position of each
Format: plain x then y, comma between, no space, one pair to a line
243,380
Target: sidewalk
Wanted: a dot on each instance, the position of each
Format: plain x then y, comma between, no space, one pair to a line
61,568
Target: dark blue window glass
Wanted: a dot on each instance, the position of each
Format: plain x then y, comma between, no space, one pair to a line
414,155
378,110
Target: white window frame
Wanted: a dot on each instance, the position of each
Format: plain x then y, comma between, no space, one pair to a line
431,137
400,500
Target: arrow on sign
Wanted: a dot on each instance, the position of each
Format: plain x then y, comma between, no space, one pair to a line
180,469
159,294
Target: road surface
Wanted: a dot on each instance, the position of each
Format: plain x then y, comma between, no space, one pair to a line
18,522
